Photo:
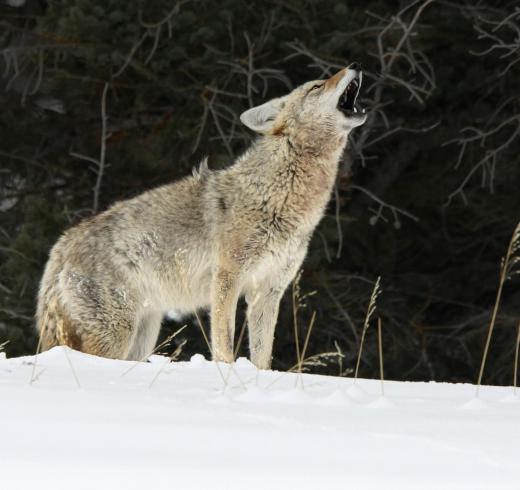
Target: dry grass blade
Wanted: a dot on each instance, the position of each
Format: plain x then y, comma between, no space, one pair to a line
309,330
340,359
164,343
370,311
154,379
316,360
295,297
172,357
507,269
39,346
305,344
380,344
515,373
66,352
299,301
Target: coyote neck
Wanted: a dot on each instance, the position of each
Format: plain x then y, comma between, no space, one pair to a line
306,170
287,182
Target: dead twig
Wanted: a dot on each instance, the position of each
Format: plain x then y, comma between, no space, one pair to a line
100,163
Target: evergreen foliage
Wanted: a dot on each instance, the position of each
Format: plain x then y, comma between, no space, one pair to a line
427,195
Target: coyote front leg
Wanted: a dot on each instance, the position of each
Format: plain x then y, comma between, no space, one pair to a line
263,302
225,292
262,312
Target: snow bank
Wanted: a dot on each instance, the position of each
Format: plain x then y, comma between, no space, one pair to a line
144,425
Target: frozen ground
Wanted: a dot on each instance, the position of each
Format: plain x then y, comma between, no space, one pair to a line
174,426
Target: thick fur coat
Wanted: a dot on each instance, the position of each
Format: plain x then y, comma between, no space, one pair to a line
204,241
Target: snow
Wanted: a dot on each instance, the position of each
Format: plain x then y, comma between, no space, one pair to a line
151,425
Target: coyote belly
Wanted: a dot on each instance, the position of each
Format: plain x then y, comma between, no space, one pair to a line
206,240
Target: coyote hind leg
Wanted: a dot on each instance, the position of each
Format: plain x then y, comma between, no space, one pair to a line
99,334
145,337
56,328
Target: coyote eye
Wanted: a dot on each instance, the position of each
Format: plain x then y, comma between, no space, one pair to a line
315,87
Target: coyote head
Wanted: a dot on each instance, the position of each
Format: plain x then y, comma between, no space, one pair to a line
318,108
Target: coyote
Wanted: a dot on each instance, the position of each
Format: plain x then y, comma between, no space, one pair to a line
206,240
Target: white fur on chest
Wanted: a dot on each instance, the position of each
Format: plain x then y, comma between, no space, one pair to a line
182,285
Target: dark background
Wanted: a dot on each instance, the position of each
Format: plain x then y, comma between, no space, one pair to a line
427,196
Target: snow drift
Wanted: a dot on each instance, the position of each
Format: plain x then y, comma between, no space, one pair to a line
87,422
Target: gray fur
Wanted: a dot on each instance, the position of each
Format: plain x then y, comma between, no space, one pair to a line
203,241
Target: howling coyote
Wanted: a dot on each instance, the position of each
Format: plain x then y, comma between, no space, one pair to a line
206,240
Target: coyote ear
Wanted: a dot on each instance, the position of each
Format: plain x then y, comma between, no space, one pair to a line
262,117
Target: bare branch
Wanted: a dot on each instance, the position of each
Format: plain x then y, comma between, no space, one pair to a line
488,162
101,162
165,19
378,214
130,54
502,129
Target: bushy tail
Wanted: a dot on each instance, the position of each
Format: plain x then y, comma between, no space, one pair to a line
52,319
47,325
48,309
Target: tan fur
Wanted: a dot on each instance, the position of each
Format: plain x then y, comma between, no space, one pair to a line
202,242
333,81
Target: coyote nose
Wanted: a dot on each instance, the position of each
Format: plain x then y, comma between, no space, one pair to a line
354,66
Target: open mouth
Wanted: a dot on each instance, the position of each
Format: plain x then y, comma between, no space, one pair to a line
347,101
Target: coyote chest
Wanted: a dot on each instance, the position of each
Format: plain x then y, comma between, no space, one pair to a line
295,201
